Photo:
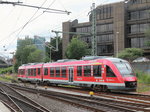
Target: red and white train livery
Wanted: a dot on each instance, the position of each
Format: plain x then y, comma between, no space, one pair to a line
103,73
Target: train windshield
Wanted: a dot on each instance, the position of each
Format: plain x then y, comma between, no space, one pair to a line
125,69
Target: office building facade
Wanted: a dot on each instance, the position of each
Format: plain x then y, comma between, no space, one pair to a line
119,25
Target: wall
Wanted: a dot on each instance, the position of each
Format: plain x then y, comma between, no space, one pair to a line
142,66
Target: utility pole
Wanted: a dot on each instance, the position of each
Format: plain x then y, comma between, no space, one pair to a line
74,33
94,39
38,7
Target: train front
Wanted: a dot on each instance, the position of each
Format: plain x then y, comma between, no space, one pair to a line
127,74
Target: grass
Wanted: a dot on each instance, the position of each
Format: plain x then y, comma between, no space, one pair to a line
143,87
143,81
8,77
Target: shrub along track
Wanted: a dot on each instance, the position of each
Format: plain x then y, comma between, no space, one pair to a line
99,104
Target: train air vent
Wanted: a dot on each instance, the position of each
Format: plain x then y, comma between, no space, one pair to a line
93,57
65,60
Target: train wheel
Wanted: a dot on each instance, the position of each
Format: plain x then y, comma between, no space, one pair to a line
105,88
98,88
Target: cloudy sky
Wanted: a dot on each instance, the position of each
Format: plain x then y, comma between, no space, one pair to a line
13,18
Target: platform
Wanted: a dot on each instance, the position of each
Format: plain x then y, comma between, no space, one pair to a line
3,108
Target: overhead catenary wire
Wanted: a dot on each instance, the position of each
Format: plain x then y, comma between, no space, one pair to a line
30,21
31,18
22,27
27,22
43,13
58,27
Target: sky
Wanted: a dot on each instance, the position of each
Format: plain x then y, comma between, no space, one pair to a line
14,18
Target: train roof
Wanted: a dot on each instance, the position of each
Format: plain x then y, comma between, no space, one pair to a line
85,60
115,59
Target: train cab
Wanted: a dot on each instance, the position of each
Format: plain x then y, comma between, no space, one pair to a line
124,73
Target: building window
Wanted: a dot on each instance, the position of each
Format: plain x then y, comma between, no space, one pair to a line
79,71
52,72
45,71
104,12
138,28
87,71
105,38
141,14
138,42
134,15
109,72
105,28
57,71
84,29
64,71
97,70
102,49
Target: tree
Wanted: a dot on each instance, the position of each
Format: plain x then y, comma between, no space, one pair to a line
131,53
147,34
27,53
35,56
55,55
77,49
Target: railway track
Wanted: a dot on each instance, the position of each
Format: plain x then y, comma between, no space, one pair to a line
98,104
18,102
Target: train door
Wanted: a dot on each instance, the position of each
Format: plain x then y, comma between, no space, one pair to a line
70,74
110,75
26,73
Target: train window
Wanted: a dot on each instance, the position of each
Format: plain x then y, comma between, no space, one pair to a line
21,71
57,71
34,72
109,72
64,71
38,71
45,71
29,72
52,72
79,71
97,70
87,71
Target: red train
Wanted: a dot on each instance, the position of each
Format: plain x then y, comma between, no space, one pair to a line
100,73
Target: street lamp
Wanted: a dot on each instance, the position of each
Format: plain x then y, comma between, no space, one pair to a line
117,42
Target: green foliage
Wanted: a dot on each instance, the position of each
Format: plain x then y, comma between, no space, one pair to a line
131,53
35,56
27,53
6,70
8,78
143,81
77,49
55,55
143,77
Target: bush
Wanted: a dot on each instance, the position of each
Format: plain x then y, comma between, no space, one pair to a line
130,54
6,70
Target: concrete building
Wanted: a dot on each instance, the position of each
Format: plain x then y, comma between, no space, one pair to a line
119,25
